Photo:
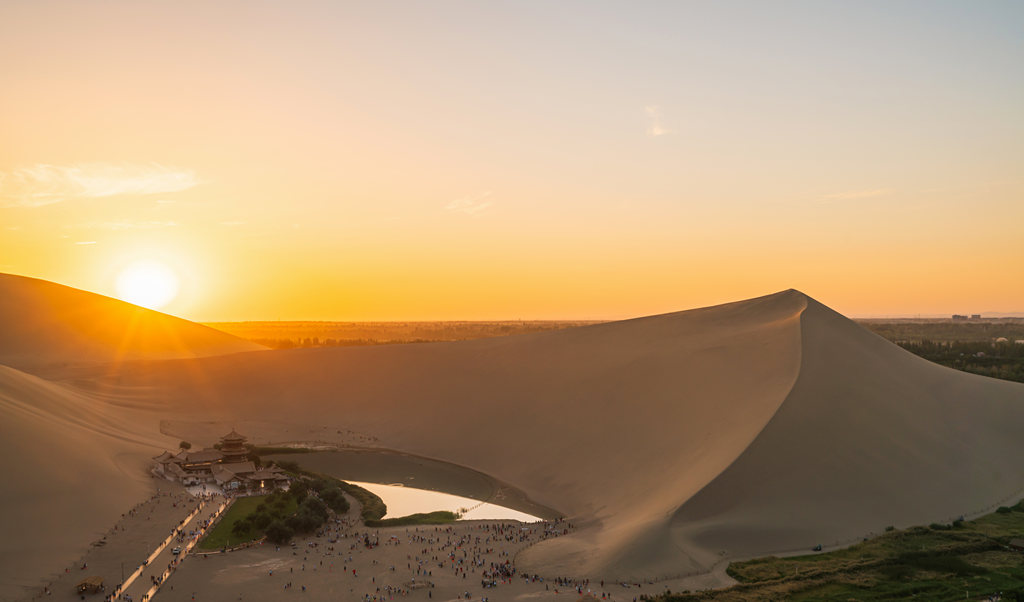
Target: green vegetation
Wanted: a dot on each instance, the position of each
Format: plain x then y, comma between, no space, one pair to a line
185,445
946,331
373,508
987,346
335,499
1004,359
939,562
228,532
279,515
439,517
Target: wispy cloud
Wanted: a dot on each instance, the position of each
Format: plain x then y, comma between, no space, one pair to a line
44,184
655,126
86,242
126,225
858,194
471,205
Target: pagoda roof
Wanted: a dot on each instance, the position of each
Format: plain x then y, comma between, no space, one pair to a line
233,435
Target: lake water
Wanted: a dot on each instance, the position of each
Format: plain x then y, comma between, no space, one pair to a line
403,501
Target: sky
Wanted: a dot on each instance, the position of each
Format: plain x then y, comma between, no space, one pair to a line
505,160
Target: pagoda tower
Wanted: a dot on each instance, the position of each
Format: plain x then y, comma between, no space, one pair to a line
233,447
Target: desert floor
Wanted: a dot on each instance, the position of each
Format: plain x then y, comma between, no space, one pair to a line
345,561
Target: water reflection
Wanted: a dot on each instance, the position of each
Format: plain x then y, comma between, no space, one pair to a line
403,501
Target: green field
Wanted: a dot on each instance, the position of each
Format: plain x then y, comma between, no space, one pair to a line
938,562
221,535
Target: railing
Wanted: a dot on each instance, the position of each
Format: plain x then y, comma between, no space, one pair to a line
177,561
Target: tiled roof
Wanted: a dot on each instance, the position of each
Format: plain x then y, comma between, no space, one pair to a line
203,455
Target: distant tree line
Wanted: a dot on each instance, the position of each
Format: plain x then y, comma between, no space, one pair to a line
1003,360
301,343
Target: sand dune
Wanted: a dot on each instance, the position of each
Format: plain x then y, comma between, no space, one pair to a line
70,465
674,442
46,323
870,436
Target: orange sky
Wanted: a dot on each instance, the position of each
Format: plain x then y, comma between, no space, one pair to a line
324,160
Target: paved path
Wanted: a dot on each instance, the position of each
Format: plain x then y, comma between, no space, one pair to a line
144,582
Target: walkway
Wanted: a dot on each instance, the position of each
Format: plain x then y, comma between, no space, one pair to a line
146,580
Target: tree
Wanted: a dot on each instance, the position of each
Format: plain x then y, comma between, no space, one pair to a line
335,500
241,528
185,445
278,533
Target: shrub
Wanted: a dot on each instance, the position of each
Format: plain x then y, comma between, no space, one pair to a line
279,533
242,527
890,528
185,445
439,517
1004,510
292,467
299,489
335,500
944,564
261,520
896,572
314,507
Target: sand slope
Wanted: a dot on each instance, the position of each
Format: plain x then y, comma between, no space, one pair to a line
674,442
70,465
614,424
870,436
46,323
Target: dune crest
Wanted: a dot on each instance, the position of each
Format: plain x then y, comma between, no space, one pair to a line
870,436
613,424
45,323
674,442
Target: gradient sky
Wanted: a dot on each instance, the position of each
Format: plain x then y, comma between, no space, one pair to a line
445,160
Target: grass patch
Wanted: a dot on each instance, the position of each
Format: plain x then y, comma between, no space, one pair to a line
222,535
439,517
938,562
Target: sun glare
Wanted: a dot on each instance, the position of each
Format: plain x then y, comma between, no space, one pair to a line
148,284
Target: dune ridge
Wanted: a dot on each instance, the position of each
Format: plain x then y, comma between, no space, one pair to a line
45,323
664,393
674,442
870,436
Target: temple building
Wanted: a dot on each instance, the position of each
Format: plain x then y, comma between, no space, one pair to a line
232,446
227,466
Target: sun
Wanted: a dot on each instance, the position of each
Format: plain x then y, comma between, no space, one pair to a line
147,283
